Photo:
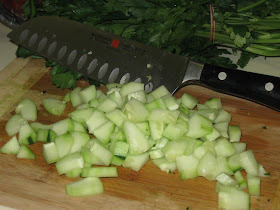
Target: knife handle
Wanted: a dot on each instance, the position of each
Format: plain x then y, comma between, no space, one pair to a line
259,88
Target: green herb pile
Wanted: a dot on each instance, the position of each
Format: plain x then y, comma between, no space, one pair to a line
179,26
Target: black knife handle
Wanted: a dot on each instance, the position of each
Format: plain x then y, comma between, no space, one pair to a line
259,88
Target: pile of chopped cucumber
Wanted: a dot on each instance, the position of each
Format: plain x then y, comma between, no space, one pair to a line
128,127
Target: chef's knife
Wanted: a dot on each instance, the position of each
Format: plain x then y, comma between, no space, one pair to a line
110,58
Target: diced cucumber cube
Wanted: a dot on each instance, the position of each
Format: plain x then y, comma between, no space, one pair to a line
189,101
67,97
25,153
75,97
175,131
11,147
165,165
74,173
160,92
199,126
121,149
187,166
100,172
239,146
223,166
36,126
107,105
103,133
117,117
226,180
224,148
240,180
262,171
164,116
97,119
156,128
249,163
222,127
131,87
50,153
136,111
170,102
27,135
223,116
234,162
214,103
156,153
138,95
54,106
117,161
85,187
234,133
136,162
14,123
64,144
207,166
81,115
27,109
63,126
173,149
88,94
80,139
69,162
254,185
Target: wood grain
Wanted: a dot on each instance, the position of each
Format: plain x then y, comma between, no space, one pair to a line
32,184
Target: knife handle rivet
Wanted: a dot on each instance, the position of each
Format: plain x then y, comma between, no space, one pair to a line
222,75
269,86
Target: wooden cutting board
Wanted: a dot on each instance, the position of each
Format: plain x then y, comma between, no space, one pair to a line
32,184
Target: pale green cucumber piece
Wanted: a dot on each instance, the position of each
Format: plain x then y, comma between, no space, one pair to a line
160,92
67,97
11,147
183,109
25,153
118,136
69,162
74,173
117,98
79,127
14,123
234,162
239,146
28,110
80,139
97,119
202,107
240,180
42,135
223,116
207,166
192,144
63,144
254,185
88,94
87,165
222,127
107,105
222,166
117,117
249,163
220,187
232,198
234,133
200,151
226,180
103,133
174,131
113,85
211,114
170,102
150,98
144,127
189,101
156,153
135,111
224,148
262,171
63,126
117,161
89,157
94,103
199,126
138,143
136,162
161,103
85,187
164,116
214,103
173,149
164,165
152,105
160,143
100,172
36,126
27,135
101,152
131,87
121,149
75,97
100,96
50,153
54,106
138,95
81,115
212,136
156,129
83,106
187,166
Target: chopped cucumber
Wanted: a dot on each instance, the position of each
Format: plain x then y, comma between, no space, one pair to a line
165,165
100,172
27,109
27,135
136,162
187,166
14,123
249,163
81,115
254,185
25,153
234,133
63,126
88,94
69,163
63,144
50,153
240,180
11,147
75,97
54,106
85,187
199,126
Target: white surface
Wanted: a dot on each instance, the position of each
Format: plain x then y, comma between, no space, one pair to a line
7,49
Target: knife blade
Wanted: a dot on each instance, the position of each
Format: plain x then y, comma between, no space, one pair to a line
109,58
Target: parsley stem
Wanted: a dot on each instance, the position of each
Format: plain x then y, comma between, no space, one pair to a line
251,6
